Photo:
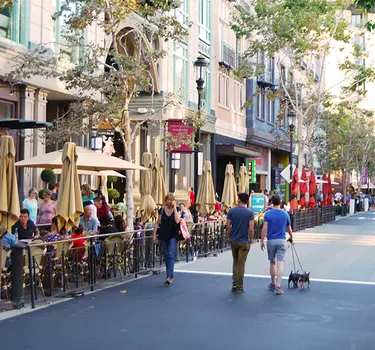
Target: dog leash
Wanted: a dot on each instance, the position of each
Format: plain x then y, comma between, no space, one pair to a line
299,262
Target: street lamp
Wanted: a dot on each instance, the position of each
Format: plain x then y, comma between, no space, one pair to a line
291,121
200,66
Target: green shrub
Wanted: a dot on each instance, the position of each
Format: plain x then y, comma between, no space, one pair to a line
112,179
113,194
48,176
40,194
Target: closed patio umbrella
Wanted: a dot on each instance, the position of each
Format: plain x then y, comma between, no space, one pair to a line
325,190
303,189
158,191
206,193
329,188
69,205
242,181
293,201
9,200
229,197
148,204
312,190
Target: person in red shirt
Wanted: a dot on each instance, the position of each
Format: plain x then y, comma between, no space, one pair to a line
78,249
191,197
102,206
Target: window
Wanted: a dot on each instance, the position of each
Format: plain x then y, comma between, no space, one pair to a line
283,74
261,104
360,42
271,68
69,45
271,112
204,20
290,79
238,51
181,70
207,91
13,22
356,20
182,13
238,99
7,109
223,90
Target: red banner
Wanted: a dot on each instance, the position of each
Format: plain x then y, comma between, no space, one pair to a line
180,132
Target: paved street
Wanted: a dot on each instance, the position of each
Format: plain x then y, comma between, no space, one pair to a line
199,311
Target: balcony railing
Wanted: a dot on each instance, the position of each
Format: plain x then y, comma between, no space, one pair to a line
268,78
228,56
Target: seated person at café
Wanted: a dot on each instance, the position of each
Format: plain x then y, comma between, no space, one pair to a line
55,234
26,227
106,226
88,222
78,249
8,238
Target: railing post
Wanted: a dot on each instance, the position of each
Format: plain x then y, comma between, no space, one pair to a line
205,238
17,258
31,276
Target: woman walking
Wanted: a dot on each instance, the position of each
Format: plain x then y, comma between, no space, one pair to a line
167,233
47,210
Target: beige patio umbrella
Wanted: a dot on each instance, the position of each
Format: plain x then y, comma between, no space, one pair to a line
229,197
242,179
148,204
69,205
158,190
87,160
9,200
206,193
103,187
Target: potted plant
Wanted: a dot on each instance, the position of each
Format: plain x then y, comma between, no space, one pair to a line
48,176
113,194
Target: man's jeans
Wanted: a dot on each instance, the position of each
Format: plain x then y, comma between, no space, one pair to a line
169,252
239,252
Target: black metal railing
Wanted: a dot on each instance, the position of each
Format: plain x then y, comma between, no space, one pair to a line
307,218
228,56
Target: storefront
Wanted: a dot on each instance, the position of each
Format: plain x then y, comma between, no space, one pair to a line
279,161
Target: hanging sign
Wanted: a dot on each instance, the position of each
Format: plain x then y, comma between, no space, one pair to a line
257,202
252,171
180,132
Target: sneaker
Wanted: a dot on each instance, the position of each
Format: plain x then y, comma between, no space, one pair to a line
234,289
240,290
271,287
278,291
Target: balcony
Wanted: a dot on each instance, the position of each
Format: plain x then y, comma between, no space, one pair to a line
268,79
228,57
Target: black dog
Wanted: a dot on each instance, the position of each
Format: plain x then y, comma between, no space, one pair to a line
294,277
304,278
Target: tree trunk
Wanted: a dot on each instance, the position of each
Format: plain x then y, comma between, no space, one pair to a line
129,173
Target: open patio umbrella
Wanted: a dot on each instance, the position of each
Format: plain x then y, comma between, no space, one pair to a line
158,191
206,193
94,173
312,190
293,201
9,200
242,179
148,204
87,160
69,206
303,189
229,197
325,190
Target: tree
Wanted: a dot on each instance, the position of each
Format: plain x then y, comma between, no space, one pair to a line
297,35
105,80
346,140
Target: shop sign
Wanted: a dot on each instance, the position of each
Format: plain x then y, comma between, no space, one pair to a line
257,202
252,171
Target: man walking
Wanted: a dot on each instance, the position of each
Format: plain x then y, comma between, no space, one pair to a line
240,231
276,222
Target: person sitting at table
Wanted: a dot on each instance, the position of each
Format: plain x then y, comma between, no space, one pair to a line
106,226
78,249
86,192
8,238
101,206
120,223
88,222
93,208
55,234
25,227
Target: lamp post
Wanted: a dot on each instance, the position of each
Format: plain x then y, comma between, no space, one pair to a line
291,121
200,66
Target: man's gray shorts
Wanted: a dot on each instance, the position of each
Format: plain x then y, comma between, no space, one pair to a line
276,249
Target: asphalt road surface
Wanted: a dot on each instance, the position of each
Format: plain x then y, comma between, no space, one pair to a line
199,312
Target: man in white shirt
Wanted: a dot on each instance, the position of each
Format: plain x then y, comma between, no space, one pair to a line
88,222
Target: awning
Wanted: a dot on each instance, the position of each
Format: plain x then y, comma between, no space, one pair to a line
20,124
230,150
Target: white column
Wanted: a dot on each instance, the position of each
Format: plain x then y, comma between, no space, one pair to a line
27,103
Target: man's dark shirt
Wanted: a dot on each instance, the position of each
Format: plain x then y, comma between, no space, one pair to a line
22,233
